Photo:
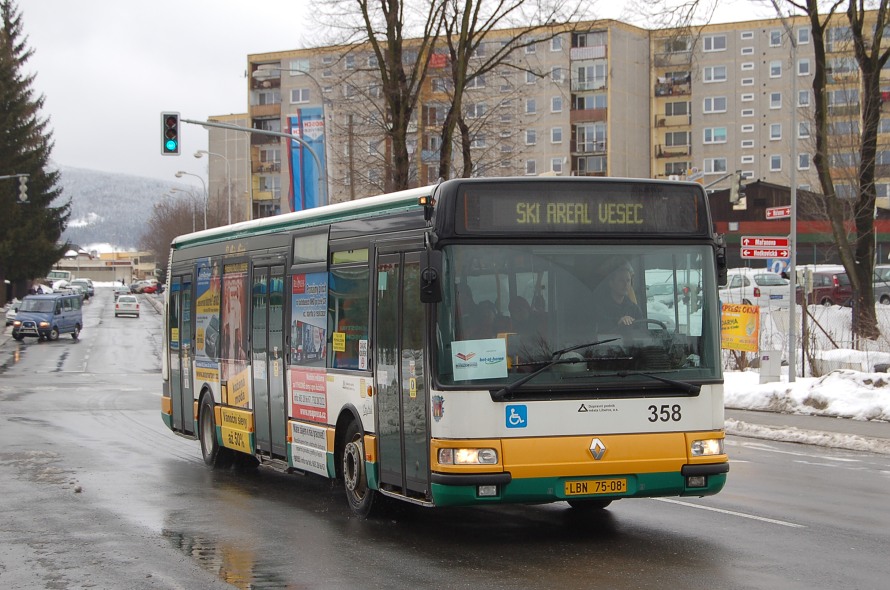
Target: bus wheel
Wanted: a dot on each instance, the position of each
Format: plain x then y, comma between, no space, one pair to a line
589,505
355,480
214,454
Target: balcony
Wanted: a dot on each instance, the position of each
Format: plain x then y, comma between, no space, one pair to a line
591,147
588,115
265,83
673,88
595,52
673,120
672,59
265,110
266,167
588,85
673,151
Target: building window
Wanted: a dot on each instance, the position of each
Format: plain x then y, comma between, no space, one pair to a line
775,163
803,161
748,65
775,38
714,104
676,108
531,106
478,81
775,132
476,110
556,104
677,138
675,168
803,36
803,98
350,62
556,165
715,135
531,167
775,100
803,129
714,74
715,43
531,77
715,166
531,137
747,143
747,112
556,135
297,67
747,174
747,51
299,95
775,69
747,160
746,35
532,48
747,82
478,142
803,67
747,128
747,97
556,44
557,74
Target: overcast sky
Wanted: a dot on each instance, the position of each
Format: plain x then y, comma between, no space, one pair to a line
107,69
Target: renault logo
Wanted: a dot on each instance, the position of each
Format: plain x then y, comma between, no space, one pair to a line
597,449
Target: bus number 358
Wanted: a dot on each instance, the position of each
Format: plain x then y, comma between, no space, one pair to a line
665,413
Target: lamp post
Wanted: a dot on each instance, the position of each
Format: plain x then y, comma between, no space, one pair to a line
180,174
200,153
263,73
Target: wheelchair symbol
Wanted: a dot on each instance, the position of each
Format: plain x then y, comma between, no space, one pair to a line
517,416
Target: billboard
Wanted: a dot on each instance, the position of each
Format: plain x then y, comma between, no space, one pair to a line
306,188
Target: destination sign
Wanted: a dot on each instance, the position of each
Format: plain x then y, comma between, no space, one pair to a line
606,207
764,253
764,241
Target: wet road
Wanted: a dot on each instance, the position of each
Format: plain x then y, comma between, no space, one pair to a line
97,493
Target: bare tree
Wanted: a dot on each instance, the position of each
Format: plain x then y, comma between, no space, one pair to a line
169,218
401,64
468,25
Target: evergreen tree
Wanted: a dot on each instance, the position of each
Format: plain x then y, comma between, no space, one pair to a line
30,231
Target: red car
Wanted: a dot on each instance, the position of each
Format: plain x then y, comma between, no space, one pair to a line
153,288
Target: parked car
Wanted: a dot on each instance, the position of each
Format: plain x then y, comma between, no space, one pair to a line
87,286
882,284
48,316
126,305
120,290
830,287
150,288
759,287
11,309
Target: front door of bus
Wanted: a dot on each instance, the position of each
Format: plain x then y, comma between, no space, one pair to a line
267,358
402,409
179,332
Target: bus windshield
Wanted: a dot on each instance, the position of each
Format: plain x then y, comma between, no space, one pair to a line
585,315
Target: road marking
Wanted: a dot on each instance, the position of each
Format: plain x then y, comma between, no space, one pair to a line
733,513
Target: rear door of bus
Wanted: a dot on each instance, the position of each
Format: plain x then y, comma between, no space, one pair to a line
179,333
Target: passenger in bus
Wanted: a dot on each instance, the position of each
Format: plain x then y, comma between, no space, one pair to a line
484,321
465,311
616,300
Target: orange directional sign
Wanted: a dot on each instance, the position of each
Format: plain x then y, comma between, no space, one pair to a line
764,242
778,212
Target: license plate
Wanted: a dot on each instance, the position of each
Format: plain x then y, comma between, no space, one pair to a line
776,296
595,486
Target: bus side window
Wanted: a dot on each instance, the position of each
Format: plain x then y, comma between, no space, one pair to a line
348,318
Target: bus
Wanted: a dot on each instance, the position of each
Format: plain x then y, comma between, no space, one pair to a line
451,345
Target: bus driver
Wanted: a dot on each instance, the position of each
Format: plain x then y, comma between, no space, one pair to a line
617,301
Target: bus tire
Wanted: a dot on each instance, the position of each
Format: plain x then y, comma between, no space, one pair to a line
215,455
355,479
590,504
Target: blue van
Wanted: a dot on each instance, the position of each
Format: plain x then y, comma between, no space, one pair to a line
47,316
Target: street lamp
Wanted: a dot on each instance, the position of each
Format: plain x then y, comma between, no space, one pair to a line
180,174
264,72
200,153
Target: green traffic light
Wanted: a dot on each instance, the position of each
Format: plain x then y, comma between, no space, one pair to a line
170,145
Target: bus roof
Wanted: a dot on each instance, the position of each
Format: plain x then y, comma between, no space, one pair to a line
394,202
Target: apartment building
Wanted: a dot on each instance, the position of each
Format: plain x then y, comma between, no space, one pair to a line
600,98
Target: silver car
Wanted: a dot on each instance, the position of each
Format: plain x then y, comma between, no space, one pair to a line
126,305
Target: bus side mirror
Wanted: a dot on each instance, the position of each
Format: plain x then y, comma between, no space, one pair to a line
430,276
722,275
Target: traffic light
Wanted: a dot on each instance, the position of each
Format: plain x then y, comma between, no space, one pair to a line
170,134
737,193
23,188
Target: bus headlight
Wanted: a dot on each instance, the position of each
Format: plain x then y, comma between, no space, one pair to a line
706,447
468,457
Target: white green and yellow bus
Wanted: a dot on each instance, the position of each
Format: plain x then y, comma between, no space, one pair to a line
453,345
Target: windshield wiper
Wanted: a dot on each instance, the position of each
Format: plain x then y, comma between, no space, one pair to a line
689,388
555,360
